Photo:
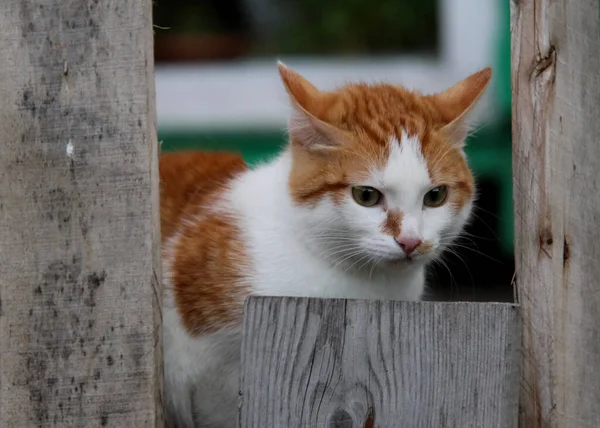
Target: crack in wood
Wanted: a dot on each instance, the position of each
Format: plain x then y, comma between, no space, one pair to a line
370,422
546,62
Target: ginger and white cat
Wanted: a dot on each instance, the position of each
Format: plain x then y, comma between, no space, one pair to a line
372,187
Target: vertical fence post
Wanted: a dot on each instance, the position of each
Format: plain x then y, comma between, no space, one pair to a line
80,334
556,164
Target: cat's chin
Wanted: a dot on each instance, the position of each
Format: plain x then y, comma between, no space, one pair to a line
402,261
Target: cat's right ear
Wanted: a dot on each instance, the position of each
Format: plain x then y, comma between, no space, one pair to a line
305,127
457,102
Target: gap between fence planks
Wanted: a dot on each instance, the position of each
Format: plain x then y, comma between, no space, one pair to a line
556,170
80,338
349,363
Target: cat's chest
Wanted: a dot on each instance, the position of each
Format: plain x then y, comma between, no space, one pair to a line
300,274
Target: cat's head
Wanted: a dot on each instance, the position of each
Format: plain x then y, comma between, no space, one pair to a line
378,172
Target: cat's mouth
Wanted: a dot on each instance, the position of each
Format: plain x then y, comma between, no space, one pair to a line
396,258
405,260
400,260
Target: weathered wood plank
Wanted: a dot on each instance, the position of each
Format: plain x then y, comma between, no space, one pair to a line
338,363
556,167
79,234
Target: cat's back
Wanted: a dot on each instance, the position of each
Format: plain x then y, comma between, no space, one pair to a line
190,180
203,250
203,258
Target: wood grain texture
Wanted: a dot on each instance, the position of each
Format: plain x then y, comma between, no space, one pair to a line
347,363
556,167
79,234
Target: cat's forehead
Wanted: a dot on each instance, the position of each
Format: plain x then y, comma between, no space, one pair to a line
382,110
405,162
405,174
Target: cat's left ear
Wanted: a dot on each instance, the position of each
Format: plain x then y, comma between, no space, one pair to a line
457,102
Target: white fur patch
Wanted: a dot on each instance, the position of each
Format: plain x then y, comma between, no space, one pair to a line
405,181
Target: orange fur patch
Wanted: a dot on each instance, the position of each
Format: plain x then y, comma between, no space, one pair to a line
191,179
393,223
424,247
207,273
209,255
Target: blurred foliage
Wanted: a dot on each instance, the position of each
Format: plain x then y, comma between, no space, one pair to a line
315,26
358,27
198,17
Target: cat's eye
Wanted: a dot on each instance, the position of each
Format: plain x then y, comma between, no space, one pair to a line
366,196
436,197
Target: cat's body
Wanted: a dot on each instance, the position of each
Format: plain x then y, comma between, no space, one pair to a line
345,211
284,267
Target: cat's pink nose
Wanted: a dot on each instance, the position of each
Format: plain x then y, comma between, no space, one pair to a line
408,245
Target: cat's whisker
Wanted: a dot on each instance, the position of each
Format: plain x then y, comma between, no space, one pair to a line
452,253
475,215
338,250
338,256
370,259
458,243
453,282
449,248
330,246
460,258
465,233
460,235
375,263
347,257
447,239
333,238
357,261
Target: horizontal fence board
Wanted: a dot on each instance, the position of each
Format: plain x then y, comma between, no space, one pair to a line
351,363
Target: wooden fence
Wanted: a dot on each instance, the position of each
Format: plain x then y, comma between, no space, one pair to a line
80,305
80,335
556,169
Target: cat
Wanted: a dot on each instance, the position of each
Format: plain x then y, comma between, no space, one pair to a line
372,187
